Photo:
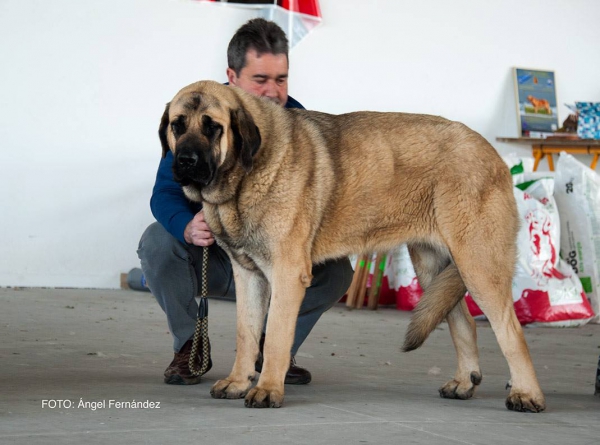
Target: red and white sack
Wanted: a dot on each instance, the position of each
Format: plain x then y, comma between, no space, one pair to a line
546,291
403,279
578,198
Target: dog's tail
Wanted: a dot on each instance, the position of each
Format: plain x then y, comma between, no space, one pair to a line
440,297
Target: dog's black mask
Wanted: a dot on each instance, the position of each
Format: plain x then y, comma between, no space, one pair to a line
195,159
194,163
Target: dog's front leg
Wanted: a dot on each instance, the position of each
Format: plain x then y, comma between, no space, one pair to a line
289,281
252,298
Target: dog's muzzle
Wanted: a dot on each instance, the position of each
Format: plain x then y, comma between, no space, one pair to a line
193,166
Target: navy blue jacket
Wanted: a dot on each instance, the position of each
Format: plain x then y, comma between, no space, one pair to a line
168,203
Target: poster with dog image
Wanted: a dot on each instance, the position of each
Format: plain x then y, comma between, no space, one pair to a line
535,93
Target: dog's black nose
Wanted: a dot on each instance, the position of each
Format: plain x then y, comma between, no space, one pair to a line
187,160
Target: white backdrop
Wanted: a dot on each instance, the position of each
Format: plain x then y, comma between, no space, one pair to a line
83,86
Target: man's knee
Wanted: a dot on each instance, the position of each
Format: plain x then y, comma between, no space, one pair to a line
155,242
158,250
331,280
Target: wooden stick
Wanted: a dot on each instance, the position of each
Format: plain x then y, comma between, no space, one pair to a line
376,281
352,291
362,287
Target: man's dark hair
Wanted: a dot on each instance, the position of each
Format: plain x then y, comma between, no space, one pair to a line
258,34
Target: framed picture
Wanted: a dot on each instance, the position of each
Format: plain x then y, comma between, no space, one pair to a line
535,93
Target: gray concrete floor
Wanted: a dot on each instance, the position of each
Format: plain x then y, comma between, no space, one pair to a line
93,346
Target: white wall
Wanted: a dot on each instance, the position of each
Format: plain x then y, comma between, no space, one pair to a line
83,86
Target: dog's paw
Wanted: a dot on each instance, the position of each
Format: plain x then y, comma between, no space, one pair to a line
227,389
525,403
264,398
463,390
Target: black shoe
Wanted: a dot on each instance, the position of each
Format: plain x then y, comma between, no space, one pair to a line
178,372
295,374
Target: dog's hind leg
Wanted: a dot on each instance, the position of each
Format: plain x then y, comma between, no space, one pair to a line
464,336
496,303
487,269
443,288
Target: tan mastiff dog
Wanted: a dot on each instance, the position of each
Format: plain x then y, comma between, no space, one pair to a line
283,189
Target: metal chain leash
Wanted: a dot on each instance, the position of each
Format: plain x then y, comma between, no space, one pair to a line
201,332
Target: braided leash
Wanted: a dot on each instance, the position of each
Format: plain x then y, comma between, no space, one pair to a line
201,332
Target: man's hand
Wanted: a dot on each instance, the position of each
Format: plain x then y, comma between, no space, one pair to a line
197,231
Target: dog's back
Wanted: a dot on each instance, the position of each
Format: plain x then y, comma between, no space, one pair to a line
401,177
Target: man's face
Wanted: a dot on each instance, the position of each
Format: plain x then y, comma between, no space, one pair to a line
265,75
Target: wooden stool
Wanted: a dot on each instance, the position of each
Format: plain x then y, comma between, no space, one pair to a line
596,152
539,151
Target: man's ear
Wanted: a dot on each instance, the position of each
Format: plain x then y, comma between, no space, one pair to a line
231,76
246,136
162,131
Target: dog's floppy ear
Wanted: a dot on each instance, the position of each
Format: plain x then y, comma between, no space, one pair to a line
246,136
162,131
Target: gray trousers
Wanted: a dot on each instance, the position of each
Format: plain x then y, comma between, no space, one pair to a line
173,271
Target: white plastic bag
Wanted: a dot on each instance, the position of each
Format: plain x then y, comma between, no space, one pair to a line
545,289
578,199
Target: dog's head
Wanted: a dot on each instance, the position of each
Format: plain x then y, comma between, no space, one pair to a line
211,135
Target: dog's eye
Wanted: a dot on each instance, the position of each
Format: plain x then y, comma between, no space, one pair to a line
210,128
178,126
